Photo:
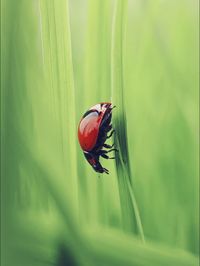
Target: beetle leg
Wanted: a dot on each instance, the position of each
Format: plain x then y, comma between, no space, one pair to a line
106,156
110,150
107,146
103,152
109,136
116,150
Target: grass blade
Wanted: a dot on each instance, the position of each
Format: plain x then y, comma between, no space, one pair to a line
130,213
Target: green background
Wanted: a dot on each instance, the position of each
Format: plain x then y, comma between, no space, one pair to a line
58,58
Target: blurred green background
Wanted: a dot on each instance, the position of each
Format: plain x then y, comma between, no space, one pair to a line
57,60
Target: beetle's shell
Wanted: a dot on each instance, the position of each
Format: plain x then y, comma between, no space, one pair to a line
89,126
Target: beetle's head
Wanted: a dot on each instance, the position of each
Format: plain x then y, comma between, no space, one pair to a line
99,169
94,162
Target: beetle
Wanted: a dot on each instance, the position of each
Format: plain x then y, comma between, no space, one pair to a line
94,129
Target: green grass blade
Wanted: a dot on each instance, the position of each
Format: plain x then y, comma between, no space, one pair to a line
130,214
58,79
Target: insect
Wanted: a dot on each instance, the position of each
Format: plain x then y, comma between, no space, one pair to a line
94,129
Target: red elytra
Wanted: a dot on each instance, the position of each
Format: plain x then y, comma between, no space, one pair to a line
93,132
90,124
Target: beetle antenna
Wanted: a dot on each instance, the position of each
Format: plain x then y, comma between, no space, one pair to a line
106,171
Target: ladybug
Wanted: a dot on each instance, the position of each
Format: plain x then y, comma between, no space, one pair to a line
93,132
